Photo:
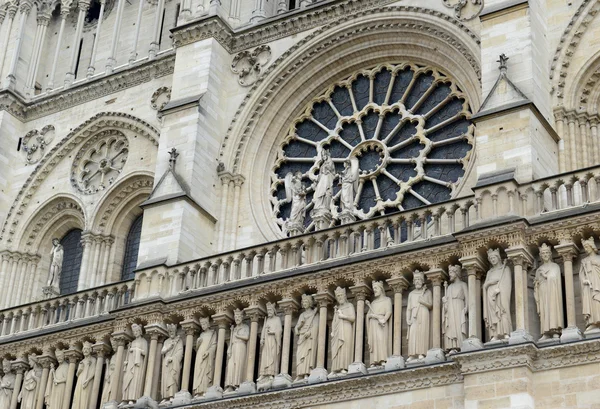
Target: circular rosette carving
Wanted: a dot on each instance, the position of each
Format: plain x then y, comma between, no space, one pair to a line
99,162
407,125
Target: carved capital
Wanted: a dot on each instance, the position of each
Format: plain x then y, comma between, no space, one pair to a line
323,299
568,251
47,360
361,291
289,305
473,264
101,349
20,365
73,355
520,256
436,276
156,331
190,326
255,312
398,284
223,319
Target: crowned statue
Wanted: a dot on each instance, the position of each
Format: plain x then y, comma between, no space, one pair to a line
496,297
342,334
323,195
589,273
85,378
349,182
270,345
206,348
455,308
31,384
378,325
134,366
237,352
307,331
172,354
547,291
418,312
7,384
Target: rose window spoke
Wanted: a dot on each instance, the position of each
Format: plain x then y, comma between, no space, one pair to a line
407,129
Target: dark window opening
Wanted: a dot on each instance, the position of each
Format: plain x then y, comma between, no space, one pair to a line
291,4
78,58
177,11
162,26
93,12
132,246
19,143
71,265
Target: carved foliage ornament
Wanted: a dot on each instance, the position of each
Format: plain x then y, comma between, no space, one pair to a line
407,125
35,142
100,161
465,10
248,65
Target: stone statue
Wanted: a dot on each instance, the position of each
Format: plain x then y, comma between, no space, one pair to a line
31,384
295,192
7,384
134,366
454,310
496,297
236,352
418,311
270,343
206,347
342,334
378,325
589,274
172,354
349,182
57,381
56,259
85,378
109,374
547,290
324,189
307,330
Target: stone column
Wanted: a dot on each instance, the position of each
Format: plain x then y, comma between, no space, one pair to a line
191,327
87,244
93,276
155,44
83,8
11,11
121,338
222,319
258,13
255,313
225,178
361,291
20,366
319,374
46,360
73,356
64,13
101,349
436,353
156,331
112,61
238,180
108,242
92,67
568,251
42,24
289,307
521,260
399,284
24,9
136,37
474,266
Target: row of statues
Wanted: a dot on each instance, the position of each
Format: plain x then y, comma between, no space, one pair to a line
378,323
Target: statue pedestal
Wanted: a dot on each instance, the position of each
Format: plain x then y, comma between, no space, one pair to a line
182,398
246,387
347,217
519,336
571,334
321,218
317,375
145,402
471,344
214,392
357,367
50,292
112,404
435,355
265,383
394,362
293,229
282,381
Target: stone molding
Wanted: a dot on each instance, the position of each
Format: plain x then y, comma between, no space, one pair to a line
81,93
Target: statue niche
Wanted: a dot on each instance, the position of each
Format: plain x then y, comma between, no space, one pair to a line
496,297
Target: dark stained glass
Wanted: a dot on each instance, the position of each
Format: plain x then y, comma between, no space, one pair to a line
323,113
341,100
401,82
381,84
422,84
360,89
132,246
71,265
369,124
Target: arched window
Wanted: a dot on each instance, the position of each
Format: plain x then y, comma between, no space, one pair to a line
71,265
131,249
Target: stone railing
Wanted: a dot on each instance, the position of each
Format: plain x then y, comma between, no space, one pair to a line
62,311
495,195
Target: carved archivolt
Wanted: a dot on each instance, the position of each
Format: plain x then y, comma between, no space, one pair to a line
34,143
248,65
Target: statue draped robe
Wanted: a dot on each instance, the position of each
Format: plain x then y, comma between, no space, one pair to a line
135,370
496,305
417,315
85,380
55,388
324,189
204,367
7,385
548,297
342,338
172,348
236,364
30,387
378,336
454,320
307,329
271,349
108,375
590,294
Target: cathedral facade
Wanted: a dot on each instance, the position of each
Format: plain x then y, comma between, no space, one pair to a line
299,204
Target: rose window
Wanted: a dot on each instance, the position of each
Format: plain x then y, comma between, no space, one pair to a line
99,162
404,127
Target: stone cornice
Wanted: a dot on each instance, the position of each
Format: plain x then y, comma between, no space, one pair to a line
234,40
79,94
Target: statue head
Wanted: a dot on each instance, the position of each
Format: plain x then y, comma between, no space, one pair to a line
454,271
60,355
55,241
340,295
87,348
33,359
172,330
238,316
137,330
205,323
271,309
545,253
378,288
589,245
494,256
418,279
6,366
307,301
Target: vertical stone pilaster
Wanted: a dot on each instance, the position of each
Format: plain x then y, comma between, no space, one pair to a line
436,354
319,374
521,259
568,251
289,307
361,291
222,319
474,267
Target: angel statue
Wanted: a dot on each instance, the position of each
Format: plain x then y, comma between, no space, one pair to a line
295,192
349,182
